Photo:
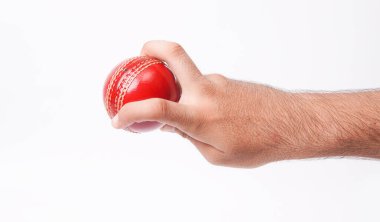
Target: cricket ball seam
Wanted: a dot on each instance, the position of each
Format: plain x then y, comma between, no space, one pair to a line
112,81
125,77
127,82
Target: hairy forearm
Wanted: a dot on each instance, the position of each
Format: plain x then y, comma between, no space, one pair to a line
242,124
338,124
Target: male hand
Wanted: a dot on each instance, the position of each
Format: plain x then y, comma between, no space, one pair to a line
241,124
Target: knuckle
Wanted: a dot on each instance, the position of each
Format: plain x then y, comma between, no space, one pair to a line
194,121
198,124
125,109
175,49
159,108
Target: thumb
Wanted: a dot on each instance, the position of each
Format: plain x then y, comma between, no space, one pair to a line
160,110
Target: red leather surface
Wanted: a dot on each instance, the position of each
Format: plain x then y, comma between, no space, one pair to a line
137,79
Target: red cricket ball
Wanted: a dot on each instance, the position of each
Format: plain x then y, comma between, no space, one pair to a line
137,79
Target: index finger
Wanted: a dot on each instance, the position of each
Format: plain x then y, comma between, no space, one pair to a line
177,59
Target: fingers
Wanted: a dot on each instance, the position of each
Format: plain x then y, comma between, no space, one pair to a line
177,59
159,110
211,154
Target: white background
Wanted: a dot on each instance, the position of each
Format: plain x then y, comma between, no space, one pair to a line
60,159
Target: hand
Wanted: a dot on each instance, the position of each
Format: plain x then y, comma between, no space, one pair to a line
221,117
235,123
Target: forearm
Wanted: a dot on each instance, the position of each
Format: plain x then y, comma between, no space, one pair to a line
241,124
339,124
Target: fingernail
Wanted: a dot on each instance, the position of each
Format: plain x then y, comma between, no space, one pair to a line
167,128
115,122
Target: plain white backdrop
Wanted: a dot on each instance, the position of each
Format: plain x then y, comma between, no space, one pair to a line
60,159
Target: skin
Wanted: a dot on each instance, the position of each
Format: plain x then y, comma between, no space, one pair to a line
241,124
